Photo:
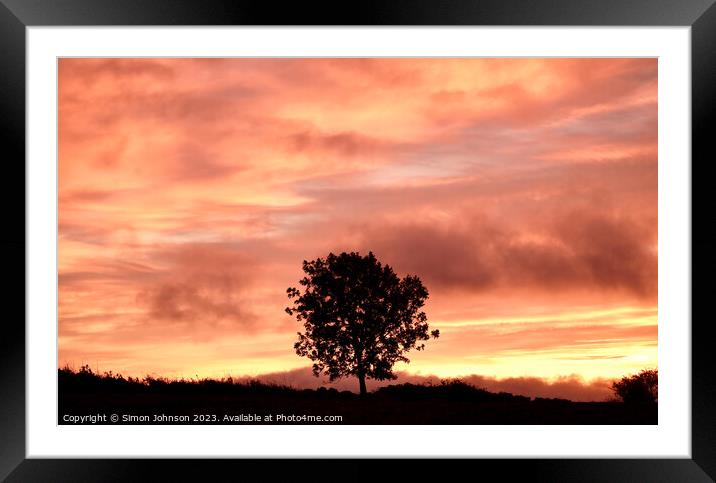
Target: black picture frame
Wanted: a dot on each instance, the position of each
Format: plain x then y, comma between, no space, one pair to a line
16,15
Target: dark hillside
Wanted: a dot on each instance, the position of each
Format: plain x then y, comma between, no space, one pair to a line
89,398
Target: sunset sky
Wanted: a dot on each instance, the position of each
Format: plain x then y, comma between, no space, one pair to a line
523,192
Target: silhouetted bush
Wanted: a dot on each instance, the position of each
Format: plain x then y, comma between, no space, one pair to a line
638,388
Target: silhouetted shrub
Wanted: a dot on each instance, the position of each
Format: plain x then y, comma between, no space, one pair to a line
638,388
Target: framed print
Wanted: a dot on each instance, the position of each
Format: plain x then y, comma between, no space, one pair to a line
414,231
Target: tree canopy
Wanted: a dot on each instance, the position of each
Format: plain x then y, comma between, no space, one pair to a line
359,317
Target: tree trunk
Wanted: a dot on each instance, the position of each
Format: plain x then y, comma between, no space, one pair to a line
361,381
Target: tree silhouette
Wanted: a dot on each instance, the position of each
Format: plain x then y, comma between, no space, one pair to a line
359,317
642,387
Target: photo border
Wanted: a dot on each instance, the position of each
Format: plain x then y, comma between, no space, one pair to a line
700,15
